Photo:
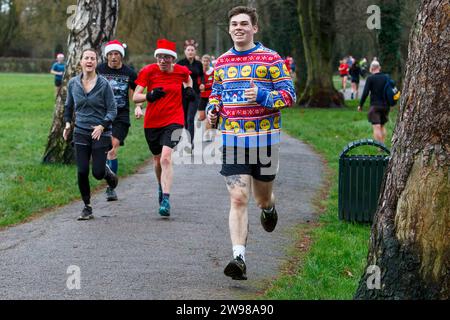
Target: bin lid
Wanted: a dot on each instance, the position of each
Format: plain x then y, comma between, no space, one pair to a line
364,142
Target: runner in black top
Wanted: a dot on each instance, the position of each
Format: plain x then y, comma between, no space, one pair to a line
355,73
190,106
121,78
379,110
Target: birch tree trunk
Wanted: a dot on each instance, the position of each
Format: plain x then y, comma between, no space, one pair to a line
317,23
410,241
94,24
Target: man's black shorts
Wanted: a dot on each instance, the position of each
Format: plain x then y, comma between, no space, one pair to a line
378,115
261,163
120,131
355,80
58,83
167,136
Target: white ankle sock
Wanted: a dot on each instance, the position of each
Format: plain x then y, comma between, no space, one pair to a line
239,251
270,210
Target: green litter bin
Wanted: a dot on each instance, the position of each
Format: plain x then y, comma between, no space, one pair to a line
360,178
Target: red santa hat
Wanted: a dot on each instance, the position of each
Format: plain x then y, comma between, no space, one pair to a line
164,46
115,45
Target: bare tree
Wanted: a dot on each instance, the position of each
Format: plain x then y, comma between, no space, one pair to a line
317,22
8,23
410,241
94,24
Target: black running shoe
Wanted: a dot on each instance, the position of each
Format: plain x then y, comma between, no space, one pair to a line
111,194
236,269
111,177
160,196
86,214
269,219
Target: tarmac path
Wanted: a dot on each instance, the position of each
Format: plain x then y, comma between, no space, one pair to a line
129,252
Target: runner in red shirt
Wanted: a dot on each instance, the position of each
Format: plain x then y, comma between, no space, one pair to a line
205,91
343,72
164,116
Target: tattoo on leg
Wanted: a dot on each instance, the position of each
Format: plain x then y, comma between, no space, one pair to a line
235,181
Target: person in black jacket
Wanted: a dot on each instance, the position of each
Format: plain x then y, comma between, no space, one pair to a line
91,99
378,114
190,105
355,73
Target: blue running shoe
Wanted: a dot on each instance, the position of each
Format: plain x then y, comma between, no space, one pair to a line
164,209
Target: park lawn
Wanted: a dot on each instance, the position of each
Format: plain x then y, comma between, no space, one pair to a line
334,263
337,81
26,185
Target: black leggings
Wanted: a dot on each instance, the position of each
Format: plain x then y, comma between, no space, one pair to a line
83,155
190,110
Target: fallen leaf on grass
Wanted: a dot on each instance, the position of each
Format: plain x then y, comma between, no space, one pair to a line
349,274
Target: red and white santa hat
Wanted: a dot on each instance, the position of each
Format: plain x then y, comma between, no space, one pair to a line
115,45
164,46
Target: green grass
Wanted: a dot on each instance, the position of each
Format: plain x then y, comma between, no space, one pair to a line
337,81
26,185
332,267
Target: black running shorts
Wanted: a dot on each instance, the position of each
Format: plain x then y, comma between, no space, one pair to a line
120,131
167,136
378,115
261,163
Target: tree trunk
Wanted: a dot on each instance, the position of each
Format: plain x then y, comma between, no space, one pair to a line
301,70
317,22
410,241
94,24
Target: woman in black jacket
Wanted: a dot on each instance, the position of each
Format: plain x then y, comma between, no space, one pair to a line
190,104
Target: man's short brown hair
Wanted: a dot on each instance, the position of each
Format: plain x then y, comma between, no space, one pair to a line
251,12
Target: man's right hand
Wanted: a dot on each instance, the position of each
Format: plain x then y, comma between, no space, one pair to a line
138,113
66,131
155,94
212,116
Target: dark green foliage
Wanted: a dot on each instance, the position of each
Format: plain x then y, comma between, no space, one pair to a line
25,65
389,37
8,23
